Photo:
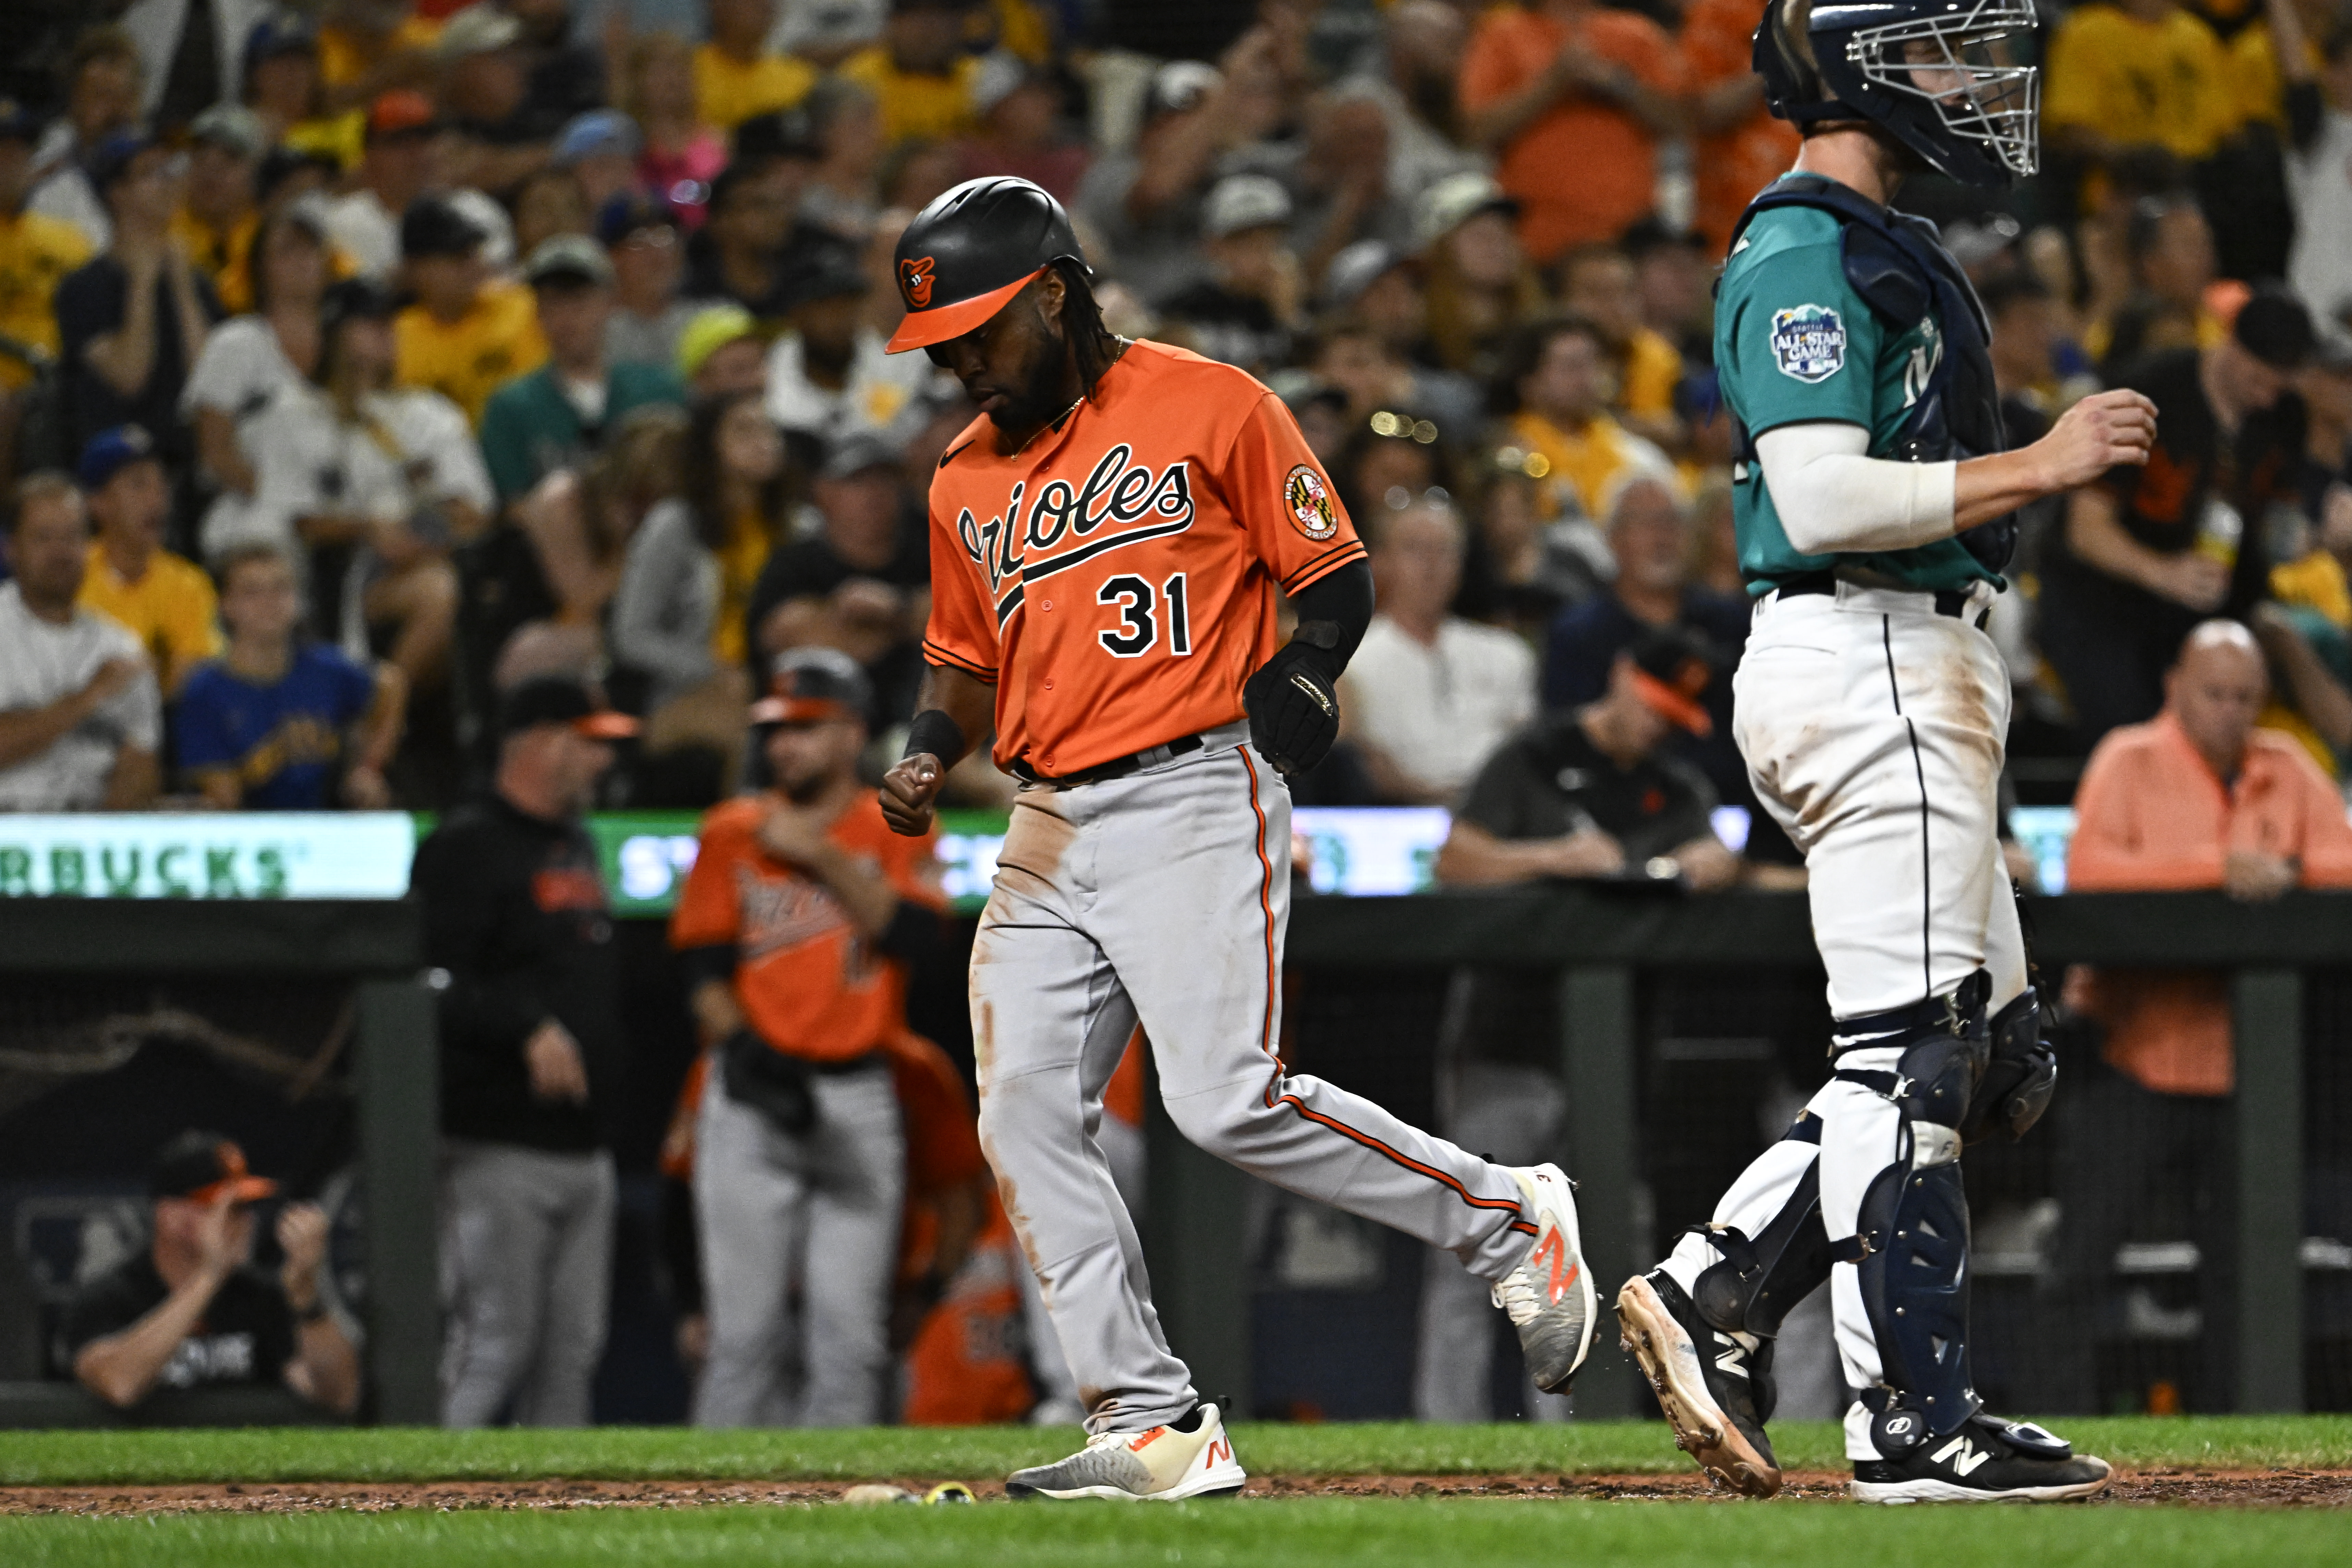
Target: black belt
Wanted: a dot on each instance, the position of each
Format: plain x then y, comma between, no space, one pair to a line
1117,768
1948,600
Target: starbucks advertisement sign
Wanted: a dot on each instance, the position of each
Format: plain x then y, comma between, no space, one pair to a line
228,855
645,854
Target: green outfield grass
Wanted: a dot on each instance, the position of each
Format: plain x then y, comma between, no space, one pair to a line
404,1454
1373,1533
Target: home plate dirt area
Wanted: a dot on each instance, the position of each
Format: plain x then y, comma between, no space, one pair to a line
2329,1488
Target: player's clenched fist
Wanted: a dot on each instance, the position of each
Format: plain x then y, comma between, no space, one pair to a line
1293,708
908,790
2103,430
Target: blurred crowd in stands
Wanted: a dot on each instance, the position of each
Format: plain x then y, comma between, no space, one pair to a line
362,358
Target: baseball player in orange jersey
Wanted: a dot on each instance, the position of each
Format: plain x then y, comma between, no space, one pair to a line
1107,541
796,925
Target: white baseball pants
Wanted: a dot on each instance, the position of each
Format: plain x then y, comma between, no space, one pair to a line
1873,729
1165,896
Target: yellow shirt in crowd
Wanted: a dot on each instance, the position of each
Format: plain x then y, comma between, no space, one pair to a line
341,137
224,255
35,252
345,58
171,609
1582,470
928,107
467,359
1653,369
727,92
2132,82
748,541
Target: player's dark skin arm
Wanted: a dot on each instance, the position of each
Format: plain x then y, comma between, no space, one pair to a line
912,784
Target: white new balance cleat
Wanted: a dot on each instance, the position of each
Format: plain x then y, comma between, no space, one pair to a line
1549,1296
1167,1464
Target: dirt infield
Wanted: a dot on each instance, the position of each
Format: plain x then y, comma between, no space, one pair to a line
2212,1489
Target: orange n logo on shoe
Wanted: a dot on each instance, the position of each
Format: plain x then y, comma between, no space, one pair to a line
1221,1451
1553,1251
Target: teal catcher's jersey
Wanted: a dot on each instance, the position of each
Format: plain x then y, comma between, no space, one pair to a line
1794,343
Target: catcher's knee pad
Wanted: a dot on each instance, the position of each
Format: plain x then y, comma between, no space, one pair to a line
2020,1076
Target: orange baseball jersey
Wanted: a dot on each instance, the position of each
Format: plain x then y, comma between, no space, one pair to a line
1115,578
807,981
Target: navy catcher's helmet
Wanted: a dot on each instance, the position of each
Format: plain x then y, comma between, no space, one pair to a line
1945,76
970,251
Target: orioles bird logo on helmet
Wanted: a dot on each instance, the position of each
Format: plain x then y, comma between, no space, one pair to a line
915,278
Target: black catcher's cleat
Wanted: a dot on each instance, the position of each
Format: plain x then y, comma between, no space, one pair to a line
1989,1459
1714,1386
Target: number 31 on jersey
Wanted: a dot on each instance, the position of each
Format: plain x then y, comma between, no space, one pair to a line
1139,608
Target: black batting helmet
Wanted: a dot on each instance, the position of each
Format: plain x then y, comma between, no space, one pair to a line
970,251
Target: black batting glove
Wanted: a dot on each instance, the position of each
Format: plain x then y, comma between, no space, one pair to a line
1294,708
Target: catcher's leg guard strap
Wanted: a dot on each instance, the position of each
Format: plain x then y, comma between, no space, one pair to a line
1757,1280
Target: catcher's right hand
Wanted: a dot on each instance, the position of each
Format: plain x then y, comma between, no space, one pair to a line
1293,708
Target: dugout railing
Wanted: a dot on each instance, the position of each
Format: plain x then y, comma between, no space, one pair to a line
1604,956
1600,947
368,950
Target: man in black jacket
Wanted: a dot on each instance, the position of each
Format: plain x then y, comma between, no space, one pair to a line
519,934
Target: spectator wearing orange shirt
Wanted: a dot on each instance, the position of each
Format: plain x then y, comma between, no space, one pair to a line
2197,797
1573,98
1739,147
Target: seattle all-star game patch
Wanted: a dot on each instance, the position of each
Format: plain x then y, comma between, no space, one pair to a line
1309,500
1808,343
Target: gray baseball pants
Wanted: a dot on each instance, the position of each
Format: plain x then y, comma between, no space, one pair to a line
1164,896
526,1272
819,1211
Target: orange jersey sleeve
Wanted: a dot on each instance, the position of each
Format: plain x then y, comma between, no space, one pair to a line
1117,576
961,633
708,913
1284,499
965,1367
